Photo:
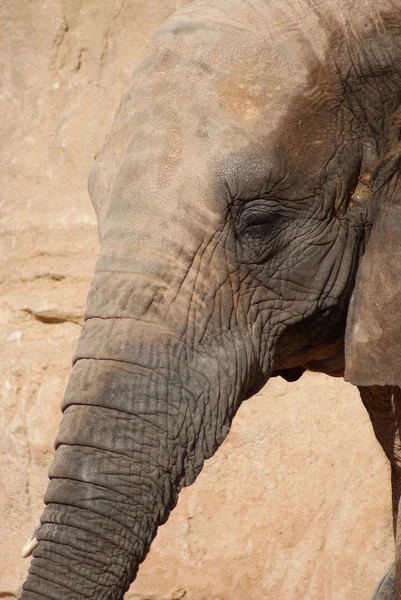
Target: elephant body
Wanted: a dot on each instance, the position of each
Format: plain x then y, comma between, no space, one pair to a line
254,151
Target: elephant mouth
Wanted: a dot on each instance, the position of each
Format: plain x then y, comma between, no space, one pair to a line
323,357
333,367
293,374
290,375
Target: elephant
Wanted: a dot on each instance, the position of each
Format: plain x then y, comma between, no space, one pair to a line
248,204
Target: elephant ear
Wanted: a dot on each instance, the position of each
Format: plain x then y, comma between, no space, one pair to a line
373,333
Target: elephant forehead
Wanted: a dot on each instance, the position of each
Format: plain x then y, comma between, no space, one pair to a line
279,24
211,86
231,65
235,66
216,81
197,97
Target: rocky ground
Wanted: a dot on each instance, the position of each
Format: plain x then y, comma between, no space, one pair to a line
296,503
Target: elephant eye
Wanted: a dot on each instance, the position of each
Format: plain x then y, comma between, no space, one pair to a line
258,219
259,223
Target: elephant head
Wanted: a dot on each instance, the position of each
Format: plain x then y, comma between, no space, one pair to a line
234,199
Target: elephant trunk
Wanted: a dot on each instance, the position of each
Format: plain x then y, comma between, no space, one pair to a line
132,434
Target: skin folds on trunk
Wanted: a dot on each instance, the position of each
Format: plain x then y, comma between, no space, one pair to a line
131,436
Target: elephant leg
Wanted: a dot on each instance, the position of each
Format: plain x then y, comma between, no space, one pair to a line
396,495
396,485
383,404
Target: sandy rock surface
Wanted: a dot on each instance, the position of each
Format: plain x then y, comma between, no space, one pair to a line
296,503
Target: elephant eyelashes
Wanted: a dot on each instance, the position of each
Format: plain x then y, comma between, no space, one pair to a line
259,226
258,221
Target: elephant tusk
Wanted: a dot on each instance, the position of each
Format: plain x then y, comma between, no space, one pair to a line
29,546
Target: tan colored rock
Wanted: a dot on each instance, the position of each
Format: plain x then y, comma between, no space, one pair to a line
296,503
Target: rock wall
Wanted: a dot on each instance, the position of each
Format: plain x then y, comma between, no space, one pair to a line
296,503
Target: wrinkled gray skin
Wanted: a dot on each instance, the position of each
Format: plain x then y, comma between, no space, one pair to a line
234,202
